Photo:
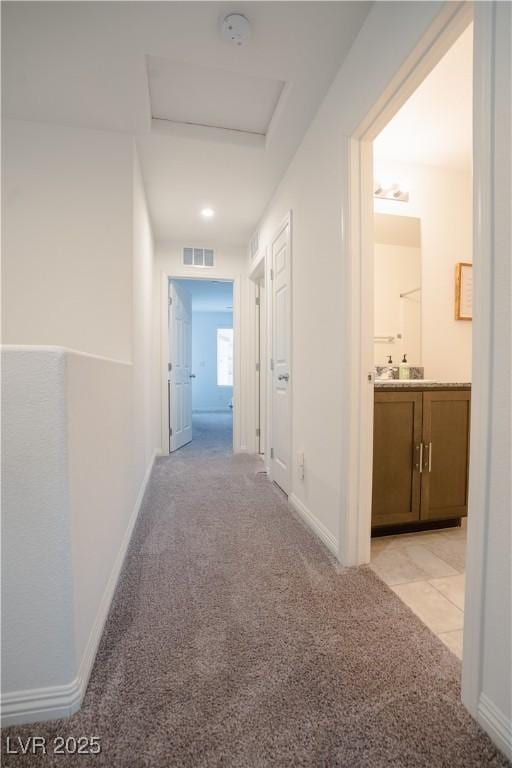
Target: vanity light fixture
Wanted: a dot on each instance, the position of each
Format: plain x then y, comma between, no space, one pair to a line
391,192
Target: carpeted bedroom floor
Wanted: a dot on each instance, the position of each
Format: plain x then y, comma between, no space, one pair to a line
235,641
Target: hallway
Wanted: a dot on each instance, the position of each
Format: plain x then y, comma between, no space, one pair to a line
212,433
235,640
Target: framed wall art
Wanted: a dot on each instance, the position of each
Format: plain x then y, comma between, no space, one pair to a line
463,291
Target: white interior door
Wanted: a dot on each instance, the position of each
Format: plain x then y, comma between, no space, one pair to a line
180,366
262,377
281,348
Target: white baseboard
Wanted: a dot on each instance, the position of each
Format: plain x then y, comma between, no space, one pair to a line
38,704
57,701
316,526
497,725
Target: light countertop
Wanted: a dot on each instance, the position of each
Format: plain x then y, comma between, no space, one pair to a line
419,384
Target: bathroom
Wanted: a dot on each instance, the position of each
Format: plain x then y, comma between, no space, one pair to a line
423,345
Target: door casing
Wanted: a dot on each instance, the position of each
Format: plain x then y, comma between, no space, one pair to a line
164,346
259,279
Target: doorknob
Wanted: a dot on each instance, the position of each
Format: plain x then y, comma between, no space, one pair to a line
283,377
191,375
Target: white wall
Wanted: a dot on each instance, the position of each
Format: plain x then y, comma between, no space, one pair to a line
146,383
316,189
103,474
442,199
37,589
67,240
230,264
78,261
207,395
70,501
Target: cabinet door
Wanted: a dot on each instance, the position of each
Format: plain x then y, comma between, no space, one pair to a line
396,440
444,486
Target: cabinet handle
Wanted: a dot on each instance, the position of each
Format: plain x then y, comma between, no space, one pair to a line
419,465
430,457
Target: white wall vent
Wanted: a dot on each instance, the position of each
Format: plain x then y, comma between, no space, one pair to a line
198,257
255,244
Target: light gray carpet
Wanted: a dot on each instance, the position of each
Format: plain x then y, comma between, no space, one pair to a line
234,641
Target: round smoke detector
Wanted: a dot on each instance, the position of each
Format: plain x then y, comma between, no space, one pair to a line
236,29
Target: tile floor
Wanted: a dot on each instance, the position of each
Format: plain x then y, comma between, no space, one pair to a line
426,570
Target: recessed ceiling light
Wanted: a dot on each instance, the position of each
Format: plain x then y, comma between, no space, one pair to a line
207,213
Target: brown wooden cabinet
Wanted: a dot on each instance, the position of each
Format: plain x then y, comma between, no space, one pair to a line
420,456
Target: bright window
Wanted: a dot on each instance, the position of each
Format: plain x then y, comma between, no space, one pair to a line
225,357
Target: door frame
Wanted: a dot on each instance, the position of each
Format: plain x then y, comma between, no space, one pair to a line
164,346
258,277
357,242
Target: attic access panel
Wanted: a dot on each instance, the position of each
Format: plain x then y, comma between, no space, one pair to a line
192,94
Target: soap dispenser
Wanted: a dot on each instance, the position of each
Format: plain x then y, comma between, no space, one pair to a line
404,371
387,373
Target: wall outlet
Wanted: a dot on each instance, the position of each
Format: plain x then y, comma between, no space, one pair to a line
300,464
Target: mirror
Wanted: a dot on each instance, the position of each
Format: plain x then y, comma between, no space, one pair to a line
397,289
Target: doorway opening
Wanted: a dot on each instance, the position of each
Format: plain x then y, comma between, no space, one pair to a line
201,364
422,350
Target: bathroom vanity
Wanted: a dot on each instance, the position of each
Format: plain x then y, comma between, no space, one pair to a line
420,455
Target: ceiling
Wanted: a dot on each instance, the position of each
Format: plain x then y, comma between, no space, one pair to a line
209,295
210,97
434,127
86,64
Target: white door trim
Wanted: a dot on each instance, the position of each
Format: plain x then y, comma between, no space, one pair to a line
164,346
483,259
355,521
268,372
257,277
